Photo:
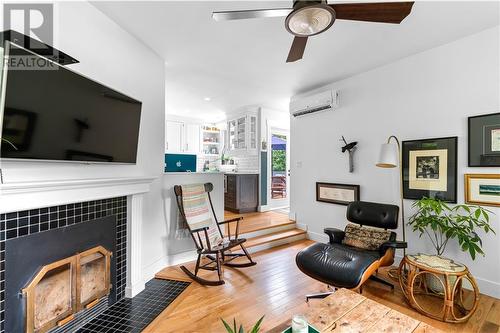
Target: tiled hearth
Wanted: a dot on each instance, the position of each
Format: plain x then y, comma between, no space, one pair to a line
133,315
23,223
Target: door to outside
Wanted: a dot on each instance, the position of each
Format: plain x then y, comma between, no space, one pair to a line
279,168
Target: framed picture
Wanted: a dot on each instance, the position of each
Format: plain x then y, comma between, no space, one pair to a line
430,169
484,140
482,189
341,194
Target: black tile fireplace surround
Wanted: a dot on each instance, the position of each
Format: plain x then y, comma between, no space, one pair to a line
17,225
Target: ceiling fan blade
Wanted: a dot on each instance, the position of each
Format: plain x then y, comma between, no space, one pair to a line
248,14
384,12
297,49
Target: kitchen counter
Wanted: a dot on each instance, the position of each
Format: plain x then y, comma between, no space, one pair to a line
241,173
194,173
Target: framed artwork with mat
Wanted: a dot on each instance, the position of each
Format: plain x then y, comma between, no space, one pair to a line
430,169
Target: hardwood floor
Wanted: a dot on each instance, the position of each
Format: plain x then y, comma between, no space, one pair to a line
276,288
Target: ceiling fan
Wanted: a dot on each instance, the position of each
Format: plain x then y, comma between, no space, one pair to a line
311,17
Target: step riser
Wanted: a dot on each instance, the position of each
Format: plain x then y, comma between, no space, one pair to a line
275,243
268,231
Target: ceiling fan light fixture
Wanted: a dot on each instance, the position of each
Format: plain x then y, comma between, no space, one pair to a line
310,20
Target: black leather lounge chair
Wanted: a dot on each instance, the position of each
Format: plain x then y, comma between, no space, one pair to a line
341,265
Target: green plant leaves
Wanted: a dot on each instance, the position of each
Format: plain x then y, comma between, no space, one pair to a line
440,223
254,329
227,327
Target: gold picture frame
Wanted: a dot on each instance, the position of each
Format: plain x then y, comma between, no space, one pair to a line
482,189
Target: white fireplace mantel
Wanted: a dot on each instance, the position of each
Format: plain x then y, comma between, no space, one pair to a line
21,196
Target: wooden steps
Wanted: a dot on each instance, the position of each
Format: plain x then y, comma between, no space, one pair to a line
265,230
252,223
275,236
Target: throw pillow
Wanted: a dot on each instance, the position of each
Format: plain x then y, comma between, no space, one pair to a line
365,237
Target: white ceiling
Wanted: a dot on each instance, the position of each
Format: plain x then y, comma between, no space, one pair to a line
239,63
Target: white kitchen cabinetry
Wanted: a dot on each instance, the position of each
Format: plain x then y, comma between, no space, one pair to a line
242,133
182,137
175,132
192,143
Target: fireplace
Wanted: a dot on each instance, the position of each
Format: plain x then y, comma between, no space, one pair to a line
92,277
49,296
63,288
54,278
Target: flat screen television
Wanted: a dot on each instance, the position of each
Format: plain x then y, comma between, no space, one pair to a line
57,114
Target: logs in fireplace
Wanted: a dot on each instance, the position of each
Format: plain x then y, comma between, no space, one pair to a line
62,288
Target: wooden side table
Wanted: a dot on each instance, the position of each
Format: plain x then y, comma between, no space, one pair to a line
433,285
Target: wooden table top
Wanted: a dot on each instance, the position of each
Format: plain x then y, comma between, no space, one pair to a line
346,311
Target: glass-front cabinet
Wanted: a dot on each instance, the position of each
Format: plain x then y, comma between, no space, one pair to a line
252,133
231,137
242,133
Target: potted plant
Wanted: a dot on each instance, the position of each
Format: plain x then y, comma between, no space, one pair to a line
254,329
441,222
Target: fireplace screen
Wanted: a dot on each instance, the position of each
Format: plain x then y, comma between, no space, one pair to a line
62,288
94,276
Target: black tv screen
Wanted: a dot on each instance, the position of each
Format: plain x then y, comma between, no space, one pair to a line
57,114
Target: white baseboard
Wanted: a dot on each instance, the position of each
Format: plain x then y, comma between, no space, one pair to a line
487,287
264,208
267,208
301,226
322,238
150,271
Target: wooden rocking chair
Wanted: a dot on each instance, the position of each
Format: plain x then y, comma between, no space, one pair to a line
193,201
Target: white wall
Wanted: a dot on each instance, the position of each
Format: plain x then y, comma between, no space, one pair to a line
113,57
427,95
173,248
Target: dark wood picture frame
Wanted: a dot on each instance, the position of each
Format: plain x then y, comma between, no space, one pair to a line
351,187
477,157
448,192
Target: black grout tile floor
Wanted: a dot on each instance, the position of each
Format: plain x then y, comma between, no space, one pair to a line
132,315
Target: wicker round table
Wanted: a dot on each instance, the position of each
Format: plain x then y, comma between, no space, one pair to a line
434,286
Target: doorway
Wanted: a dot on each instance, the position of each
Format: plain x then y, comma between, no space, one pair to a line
279,178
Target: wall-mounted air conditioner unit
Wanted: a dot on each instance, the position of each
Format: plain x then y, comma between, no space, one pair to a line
326,100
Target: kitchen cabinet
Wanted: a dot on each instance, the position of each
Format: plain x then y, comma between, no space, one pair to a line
175,130
183,137
252,132
241,192
242,133
192,138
